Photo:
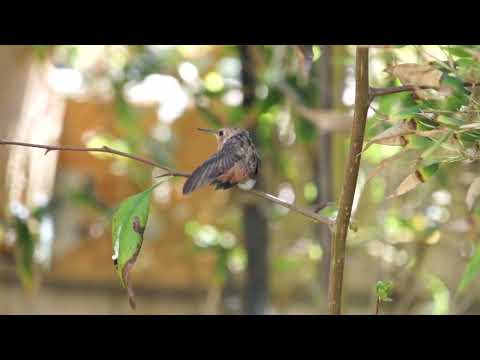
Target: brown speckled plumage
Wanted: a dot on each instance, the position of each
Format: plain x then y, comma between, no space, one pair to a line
236,161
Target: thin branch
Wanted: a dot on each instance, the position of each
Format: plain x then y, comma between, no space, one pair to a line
374,92
171,172
104,149
362,102
305,212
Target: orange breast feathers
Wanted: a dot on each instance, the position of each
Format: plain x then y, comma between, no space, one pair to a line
235,174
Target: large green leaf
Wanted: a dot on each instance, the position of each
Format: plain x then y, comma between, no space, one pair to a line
128,225
473,267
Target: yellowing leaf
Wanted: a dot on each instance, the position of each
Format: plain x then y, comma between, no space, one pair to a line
413,180
387,162
416,74
395,135
473,193
409,183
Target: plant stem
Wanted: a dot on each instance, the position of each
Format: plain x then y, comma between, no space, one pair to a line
171,172
374,92
377,306
362,101
305,212
104,149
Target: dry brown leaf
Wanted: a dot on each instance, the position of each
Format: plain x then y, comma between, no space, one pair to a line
473,193
409,183
389,161
394,135
416,74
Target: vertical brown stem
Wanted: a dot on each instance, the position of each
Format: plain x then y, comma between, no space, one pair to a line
350,181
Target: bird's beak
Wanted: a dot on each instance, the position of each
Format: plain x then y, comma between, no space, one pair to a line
208,130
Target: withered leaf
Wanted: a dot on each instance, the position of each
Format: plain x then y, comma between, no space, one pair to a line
388,162
409,183
473,193
416,74
394,135
419,176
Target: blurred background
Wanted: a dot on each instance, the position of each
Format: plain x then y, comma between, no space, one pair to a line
215,252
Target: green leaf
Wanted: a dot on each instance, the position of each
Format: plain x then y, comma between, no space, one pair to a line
406,113
425,124
469,69
456,50
128,225
419,143
428,171
470,136
471,270
24,249
455,85
383,290
436,145
450,121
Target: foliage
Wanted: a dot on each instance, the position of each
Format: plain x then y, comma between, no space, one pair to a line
383,290
417,142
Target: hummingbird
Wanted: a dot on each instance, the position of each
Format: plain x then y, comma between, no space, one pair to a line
236,162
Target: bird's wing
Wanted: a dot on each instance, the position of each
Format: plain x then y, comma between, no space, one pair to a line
214,167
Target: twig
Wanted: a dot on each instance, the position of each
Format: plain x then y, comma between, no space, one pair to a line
362,102
377,306
173,173
374,92
104,149
305,212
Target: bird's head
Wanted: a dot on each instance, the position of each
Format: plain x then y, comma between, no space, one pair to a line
223,134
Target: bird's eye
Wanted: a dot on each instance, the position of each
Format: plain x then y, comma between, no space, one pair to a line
220,133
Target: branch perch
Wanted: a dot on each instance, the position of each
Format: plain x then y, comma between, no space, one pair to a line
171,172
